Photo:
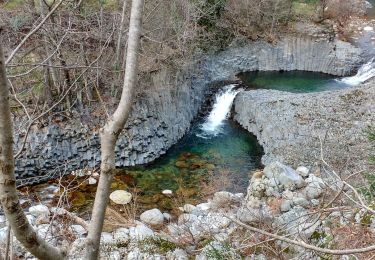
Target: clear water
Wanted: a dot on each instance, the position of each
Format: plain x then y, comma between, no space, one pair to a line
371,11
291,81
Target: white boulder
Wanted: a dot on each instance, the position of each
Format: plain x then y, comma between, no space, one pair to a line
140,232
120,197
152,217
39,210
303,171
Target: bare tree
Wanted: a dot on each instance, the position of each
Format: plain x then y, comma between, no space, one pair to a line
8,193
110,132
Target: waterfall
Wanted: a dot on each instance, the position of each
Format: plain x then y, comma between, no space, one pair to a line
366,72
220,111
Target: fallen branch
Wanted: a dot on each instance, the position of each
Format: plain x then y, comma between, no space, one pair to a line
303,244
64,213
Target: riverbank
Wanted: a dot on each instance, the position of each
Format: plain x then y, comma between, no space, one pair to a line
280,201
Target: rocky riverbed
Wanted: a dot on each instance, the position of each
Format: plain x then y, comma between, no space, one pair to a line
279,199
295,128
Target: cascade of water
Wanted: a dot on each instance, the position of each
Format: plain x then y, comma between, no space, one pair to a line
366,72
223,103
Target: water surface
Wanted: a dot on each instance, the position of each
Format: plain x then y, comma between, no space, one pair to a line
291,81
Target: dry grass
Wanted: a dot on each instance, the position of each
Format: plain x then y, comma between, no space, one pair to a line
354,236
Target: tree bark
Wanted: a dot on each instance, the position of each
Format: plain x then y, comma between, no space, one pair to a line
110,132
8,193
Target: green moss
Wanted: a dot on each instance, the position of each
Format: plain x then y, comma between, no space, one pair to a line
154,245
219,254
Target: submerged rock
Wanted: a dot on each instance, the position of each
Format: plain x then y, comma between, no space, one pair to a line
120,197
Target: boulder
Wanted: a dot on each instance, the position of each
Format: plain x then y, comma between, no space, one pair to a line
107,239
78,230
255,215
303,171
152,217
285,206
38,210
120,197
315,187
140,232
283,175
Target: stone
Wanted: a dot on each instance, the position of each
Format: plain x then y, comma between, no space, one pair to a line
121,236
315,187
315,202
188,208
177,254
152,217
47,231
140,232
78,230
184,218
203,206
257,188
92,181
255,215
38,210
120,197
300,201
31,219
284,175
167,192
2,221
303,171
107,239
285,206
167,216
3,235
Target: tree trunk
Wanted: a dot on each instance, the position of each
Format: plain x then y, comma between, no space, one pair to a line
8,193
110,132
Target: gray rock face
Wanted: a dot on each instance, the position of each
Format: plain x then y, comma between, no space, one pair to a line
163,112
292,128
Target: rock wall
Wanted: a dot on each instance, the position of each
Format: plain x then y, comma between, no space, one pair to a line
163,112
292,128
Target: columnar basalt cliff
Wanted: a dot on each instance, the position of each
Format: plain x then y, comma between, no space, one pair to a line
295,128
163,113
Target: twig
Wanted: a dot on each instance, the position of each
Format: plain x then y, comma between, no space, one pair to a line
11,56
303,244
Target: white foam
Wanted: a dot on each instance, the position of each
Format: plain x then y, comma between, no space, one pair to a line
366,72
220,111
